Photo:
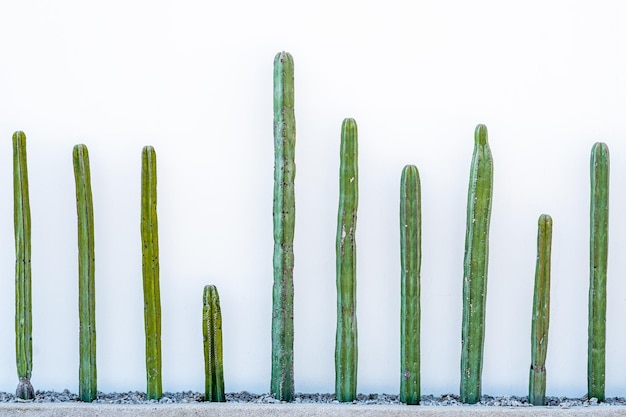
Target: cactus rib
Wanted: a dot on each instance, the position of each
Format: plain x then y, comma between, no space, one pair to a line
346,348
410,250
541,313
282,379
212,335
150,269
23,289
598,270
475,267
87,377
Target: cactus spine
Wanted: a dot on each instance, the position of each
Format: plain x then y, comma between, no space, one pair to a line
23,291
475,267
284,215
598,267
87,375
150,269
346,348
212,335
411,254
541,313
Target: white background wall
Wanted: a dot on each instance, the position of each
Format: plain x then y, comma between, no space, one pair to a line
194,79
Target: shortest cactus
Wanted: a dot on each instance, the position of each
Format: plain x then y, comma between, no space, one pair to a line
212,335
541,313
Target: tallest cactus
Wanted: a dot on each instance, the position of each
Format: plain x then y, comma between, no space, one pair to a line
346,339
475,267
150,271
284,214
599,247
23,312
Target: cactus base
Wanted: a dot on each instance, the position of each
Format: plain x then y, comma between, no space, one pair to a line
25,390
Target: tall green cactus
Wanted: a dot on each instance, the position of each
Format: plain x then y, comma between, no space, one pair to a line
212,335
475,267
150,269
23,289
284,215
411,258
598,249
87,373
541,313
346,348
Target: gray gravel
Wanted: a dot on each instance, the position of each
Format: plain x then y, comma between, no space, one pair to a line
246,397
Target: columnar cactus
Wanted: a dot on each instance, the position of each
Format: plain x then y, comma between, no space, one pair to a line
346,348
475,267
410,256
541,313
284,215
87,373
598,248
23,291
212,336
150,270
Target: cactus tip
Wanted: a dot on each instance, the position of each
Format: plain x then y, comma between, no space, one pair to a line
480,134
19,134
283,57
348,124
600,148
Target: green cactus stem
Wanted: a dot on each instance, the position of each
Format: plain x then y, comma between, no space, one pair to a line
212,335
475,267
87,373
23,289
410,255
541,313
284,215
598,248
346,347
150,269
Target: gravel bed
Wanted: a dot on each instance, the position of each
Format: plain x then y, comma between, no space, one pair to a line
136,397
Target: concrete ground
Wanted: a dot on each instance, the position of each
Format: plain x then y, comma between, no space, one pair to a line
291,410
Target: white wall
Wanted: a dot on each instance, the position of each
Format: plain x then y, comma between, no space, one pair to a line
194,79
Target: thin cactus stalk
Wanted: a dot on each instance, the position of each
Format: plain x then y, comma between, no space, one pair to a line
475,267
87,372
599,245
410,255
284,215
541,313
23,289
150,269
212,335
346,347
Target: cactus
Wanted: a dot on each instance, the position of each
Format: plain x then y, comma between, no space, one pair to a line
212,335
346,348
475,267
411,254
284,215
598,266
150,269
541,314
87,375
23,290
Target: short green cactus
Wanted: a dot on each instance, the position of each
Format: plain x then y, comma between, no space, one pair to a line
150,269
410,256
475,267
23,289
541,313
212,335
346,346
284,215
598,249
87,372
